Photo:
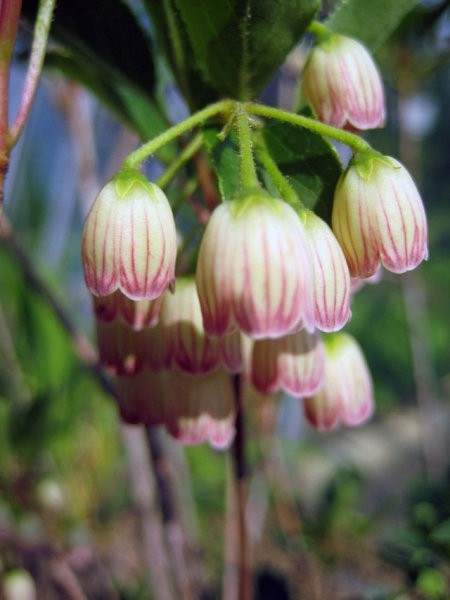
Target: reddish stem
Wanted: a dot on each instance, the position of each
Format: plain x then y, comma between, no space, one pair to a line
9,23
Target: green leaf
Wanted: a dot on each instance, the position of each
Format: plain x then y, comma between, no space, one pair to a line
441,533
370,22
309,161
236,45
225,159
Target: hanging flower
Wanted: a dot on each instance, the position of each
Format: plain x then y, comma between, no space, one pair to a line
293,363
378,216
331,275
341,82
255,269
189,347
201,408
129,239
346,396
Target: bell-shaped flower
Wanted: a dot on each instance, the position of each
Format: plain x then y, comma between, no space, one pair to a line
342,84
189,347
254,269
293,363
201,408
346,396
105,307
331,275
141,397
125,350
378,216
129,239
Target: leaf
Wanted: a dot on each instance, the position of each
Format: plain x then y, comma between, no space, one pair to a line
225,159
102,45
441,533
370,22
309,161
236,45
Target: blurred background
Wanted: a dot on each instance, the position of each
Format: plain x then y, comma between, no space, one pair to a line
353,514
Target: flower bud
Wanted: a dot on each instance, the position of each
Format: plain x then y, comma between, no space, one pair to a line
346,396
331,275
254,269
181,320
378,216
341,82
293,363
129,239
201,408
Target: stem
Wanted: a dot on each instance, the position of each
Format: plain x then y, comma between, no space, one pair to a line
41,31
319,30
350,139
9,22
249,179
286,190
135,158
241,476
186,154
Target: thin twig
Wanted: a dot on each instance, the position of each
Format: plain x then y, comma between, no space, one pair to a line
241,481
39,45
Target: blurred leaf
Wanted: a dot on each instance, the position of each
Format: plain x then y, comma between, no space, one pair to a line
431,583
237,46
441,533
370,22
225,159
309,161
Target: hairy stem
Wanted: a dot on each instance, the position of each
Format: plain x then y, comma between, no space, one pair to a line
249,179
138,156
350,139
286,190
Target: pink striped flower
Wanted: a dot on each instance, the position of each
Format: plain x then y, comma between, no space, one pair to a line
201,408
141,397
378,216
341,82
129,239
293,363
331,275
254,269
190,349
346,396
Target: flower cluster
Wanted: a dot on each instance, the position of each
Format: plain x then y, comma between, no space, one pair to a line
272,285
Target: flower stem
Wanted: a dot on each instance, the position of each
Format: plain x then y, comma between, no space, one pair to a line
319,30
138,156
354,141
249,178
41,31
241,482
286,190
185,155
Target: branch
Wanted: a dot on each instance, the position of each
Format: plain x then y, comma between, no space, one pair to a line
41,31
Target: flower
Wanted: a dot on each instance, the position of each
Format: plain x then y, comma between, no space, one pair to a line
378,216
141,397
129,239
201,408
346,396
293,363
189,347
331,275
341,82
254,269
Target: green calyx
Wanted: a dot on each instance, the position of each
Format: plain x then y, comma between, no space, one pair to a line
127,179
366,161
250,199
